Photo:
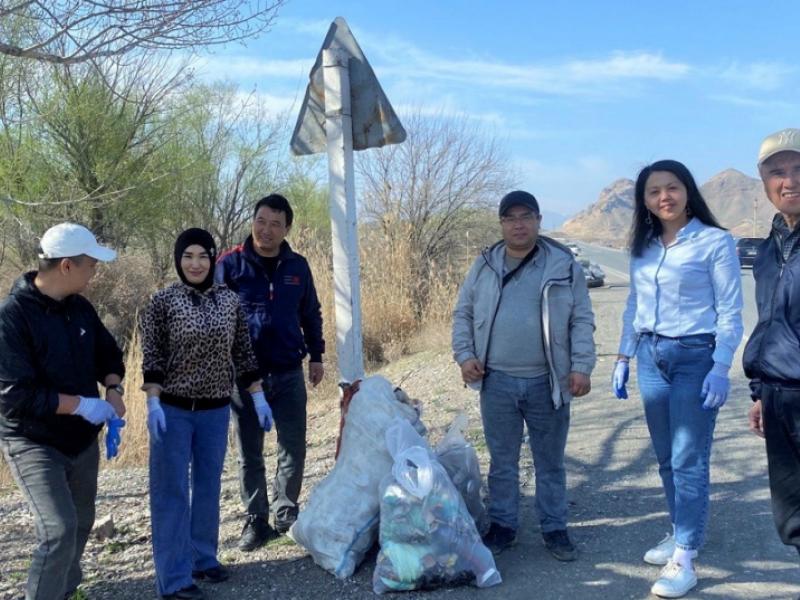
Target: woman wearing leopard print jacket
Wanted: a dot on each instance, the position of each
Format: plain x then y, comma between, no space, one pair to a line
195,343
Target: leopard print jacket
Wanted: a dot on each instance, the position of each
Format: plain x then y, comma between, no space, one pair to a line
195,343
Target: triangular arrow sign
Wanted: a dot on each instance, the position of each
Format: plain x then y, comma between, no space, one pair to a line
375,123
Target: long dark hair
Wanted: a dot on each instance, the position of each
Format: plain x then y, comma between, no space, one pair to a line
641,231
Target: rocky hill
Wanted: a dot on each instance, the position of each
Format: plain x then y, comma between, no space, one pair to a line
731,195
608,219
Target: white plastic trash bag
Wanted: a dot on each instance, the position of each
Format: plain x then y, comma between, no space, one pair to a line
339,523
460,460
427,536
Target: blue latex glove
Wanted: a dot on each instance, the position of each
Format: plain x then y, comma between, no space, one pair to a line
156,421
620,378
716,386
94,410
113,436
263,410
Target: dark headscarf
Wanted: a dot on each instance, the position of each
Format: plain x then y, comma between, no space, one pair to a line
202,238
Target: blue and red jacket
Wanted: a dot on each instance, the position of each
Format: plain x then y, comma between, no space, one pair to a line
283,313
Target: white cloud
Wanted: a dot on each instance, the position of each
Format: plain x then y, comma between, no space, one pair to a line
248,67
311,27
762,76
759,103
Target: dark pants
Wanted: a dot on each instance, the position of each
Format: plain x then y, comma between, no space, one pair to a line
61,492
781,409
286,395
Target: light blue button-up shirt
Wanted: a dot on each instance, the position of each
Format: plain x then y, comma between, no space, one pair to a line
692,286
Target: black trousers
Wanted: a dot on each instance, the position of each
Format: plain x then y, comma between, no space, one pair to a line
286,395
781,412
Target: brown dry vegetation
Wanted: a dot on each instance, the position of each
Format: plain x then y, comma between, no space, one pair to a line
393,323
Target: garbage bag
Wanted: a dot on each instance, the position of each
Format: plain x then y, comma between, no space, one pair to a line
427,536
339,522
460,460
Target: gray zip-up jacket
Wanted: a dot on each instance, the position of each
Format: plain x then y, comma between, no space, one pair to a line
567,317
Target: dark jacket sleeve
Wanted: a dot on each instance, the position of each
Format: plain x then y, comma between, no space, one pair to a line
155,343
244,359
20,395
222,272
108,356
311,320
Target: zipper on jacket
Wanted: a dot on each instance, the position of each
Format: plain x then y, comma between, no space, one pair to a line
771,310
271,291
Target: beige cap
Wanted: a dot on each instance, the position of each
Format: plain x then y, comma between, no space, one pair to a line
780,141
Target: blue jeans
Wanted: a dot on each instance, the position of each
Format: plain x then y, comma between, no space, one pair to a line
507,402
671,373
286,395
185,479
61,492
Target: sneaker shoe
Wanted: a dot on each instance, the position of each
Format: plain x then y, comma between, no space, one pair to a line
559,545
499,538
191,592
216,574
661,553
674,581
256,532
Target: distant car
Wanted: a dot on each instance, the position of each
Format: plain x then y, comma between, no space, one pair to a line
595,276
747,250
574,248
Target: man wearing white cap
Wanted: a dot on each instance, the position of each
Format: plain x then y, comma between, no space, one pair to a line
53,352
771,355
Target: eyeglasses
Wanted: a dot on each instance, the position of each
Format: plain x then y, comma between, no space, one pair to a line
525,218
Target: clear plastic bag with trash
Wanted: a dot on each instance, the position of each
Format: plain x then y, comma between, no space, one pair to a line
428,537
339,523
460,460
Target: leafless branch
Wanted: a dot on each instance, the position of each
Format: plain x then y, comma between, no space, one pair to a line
76,31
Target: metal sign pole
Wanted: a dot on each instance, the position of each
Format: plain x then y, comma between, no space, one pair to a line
346,264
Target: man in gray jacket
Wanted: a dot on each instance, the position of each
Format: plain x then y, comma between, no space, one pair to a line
523,335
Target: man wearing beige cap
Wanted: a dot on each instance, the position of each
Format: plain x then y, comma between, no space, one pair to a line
772,355
53,352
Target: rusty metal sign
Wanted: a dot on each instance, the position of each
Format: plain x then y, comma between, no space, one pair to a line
375,123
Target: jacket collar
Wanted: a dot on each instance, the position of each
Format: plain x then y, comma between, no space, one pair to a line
552,254
24,287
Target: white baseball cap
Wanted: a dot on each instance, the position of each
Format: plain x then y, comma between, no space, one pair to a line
785,140
68,239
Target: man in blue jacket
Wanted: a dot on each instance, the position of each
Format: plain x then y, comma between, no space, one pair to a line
276,289
771,355
53,352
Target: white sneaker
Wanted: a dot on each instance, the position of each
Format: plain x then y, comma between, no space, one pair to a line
662,552
674,581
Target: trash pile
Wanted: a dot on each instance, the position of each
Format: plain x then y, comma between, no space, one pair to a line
388,485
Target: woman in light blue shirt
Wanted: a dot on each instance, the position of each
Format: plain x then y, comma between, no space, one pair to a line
683,323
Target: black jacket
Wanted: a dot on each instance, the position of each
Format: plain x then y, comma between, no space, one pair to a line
283,313
773,352
49,347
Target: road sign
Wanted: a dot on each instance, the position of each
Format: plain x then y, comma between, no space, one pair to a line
375,123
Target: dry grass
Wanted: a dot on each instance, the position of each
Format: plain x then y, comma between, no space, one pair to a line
394,323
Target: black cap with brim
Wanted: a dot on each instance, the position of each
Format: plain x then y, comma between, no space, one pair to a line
518,198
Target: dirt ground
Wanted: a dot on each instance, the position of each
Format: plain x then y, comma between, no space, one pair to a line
616,506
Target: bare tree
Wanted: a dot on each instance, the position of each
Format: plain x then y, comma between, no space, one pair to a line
426,189
230,144
74,31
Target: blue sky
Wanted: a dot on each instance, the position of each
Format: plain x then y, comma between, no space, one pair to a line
578,93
